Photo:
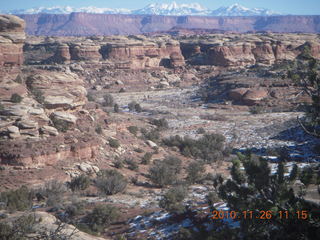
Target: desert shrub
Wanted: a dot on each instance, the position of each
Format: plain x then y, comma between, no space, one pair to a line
18,229
201,131
256,109
118,164
138,150
116,108
210,147
114,143
90,97
132,165
38,95
17,200
54,192
99,129
138,108
146,158
172,200
164,172
173,162
134,106
108,100
122,90
133,129
152,135
161,124
75,209
101,217
1,106
195,172
111,182
80,183
214,117
60,125
16,98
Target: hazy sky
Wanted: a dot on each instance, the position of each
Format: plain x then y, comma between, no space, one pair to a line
283,6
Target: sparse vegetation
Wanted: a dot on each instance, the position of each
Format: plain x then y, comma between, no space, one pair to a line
99,129
162,124
256,109
152,135
90,97
116,108
201,131
38,95
108,100
111,182
134,106
118,164
164,172
146,158
209,148
16,98
101,217
54,192
17,200
80,183
172,200
133,129
195,172
60,125
114,143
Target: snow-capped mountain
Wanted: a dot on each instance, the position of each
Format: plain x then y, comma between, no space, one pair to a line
168,9
238,10
68,9
173,9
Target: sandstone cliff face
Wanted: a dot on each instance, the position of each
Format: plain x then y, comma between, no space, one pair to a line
12,37
85,24
133,52
232,50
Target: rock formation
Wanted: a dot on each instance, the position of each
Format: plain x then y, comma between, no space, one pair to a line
233,50
12,37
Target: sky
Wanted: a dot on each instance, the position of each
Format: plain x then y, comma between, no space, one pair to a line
303,7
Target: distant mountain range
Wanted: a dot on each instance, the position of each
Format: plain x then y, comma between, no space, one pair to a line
170,9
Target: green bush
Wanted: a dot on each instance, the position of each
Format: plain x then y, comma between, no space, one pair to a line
134,106
118,164
80,183
172,200
114,143
138,150
146,158
108,100
132,165
18,229
60,125
99,129
152,135
111,182
17,200
101,217
54,192
195,172
256,110
38,95
16,98
116,108
201,131
133,129
164,173
210,147
161,124
90,97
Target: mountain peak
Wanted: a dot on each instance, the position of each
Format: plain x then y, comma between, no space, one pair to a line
171,9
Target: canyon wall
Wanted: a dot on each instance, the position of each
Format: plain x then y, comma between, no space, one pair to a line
86,24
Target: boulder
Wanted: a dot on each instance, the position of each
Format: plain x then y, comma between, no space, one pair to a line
254,96
237,94
48,130
64,116
152,144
